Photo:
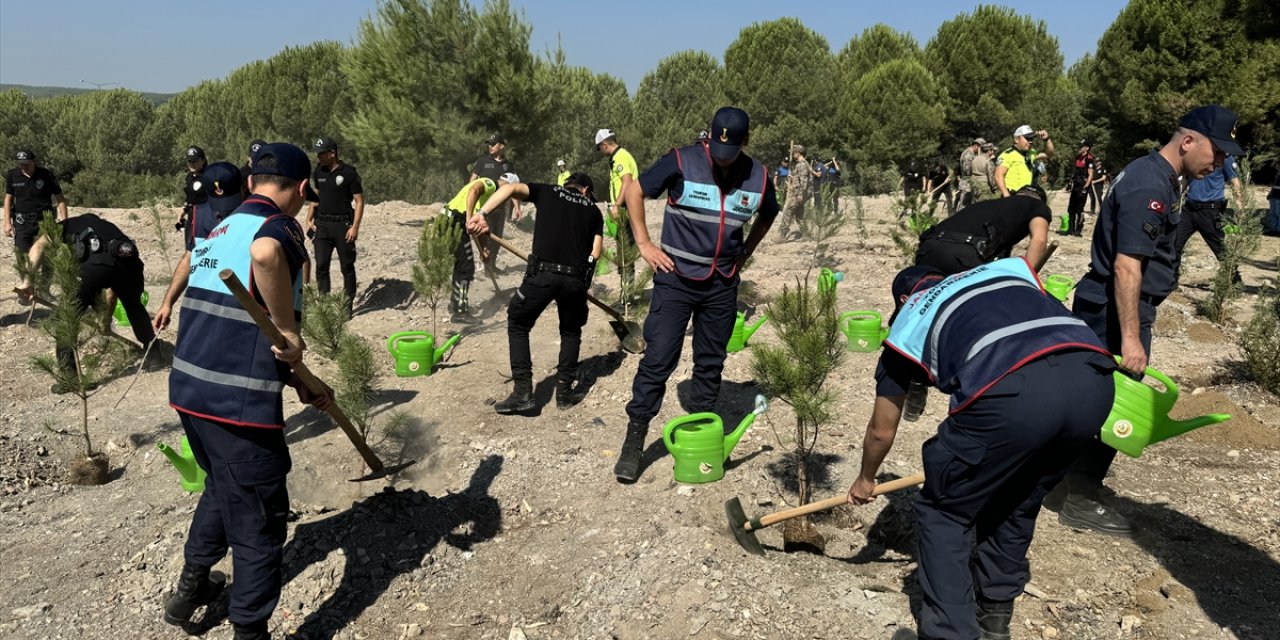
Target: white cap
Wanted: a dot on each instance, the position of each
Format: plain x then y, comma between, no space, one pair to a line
559,163
604,134
509,178
1025,131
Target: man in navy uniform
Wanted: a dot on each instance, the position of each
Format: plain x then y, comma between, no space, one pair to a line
713,190
1132,270
230,400
1029,385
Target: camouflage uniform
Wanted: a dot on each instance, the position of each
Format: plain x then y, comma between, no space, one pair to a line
799,189
983,179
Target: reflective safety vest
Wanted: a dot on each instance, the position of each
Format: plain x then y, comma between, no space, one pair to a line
975,327
1021,171
702,229
223,368
562,178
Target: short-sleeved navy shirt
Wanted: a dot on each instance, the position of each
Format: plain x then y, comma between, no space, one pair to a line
336,188
34,193
1138,217
894,372
665,175
565,229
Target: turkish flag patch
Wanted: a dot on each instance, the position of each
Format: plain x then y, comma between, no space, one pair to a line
1156,206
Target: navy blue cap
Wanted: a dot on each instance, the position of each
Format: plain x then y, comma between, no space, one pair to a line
255,145
729,129
221,182
910,280
283,159
1217,123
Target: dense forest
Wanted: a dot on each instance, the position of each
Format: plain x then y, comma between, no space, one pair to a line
424,81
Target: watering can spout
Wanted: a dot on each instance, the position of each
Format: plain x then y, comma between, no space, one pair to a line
1171,428
438,355
185,462
731,440
750,329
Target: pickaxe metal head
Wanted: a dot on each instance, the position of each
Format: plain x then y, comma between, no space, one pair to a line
741,527
630,334
384,472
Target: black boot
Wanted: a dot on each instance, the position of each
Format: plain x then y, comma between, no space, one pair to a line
258,631
627,470
458,305
1091,514
567,395
196,588
994,618
520,400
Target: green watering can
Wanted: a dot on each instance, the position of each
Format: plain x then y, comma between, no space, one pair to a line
602,265
1140,415
699,445
742,332
863,330
185,462
416,353
828,279
610,226
1059,286
122,318
1066,225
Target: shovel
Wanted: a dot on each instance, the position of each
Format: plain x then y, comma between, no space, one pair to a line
744,530
629,332
376,468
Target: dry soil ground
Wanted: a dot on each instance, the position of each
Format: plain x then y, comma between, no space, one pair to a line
513,527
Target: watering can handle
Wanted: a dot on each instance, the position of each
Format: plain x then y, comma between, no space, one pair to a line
666,434
394,339
1170,387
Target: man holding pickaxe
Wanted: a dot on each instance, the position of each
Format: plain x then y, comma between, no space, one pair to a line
227,383
1029,384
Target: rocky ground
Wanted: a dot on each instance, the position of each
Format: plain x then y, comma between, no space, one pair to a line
513,527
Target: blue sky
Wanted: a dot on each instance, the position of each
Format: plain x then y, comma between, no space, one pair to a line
166,46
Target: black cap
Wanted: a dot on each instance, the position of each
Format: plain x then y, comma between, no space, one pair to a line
25,155
729,129
495,139
221,182
255,145
287,160
1217,123
581,179
325,144
910,280
195,154
1086,142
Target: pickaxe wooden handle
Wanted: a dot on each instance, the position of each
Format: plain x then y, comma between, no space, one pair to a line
304,374
830,503
613,313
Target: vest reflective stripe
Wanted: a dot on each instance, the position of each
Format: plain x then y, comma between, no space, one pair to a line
227,379
973,328
223,367
702,228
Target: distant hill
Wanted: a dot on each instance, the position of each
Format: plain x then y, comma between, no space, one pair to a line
50,92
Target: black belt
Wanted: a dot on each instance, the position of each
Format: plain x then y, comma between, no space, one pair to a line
335,217
1199,205
27,217
1106,282
562,269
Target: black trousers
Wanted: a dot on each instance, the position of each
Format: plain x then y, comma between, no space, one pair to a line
244,507
948,257
1075,206
989,468
530,300
1087,472
331,234
125,277
713,306
1205,218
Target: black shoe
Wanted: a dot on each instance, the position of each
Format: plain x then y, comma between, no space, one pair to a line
627,470
1056,496
252,631
567,395
1086,514
904,634
196,588
994,618
520,400
461,317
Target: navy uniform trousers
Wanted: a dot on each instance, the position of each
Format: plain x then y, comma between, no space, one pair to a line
989,468
244,506
1086,474
713,306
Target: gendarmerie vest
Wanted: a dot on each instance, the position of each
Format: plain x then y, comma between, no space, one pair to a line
223,368
975,327
702,230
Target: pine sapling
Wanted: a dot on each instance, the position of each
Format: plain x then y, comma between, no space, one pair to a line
356,375
433,273
1260,341
325,320
1243,239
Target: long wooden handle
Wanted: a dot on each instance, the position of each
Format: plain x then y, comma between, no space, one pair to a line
590,298
833,502
1048,253
304,374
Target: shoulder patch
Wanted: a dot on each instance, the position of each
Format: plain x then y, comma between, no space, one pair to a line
1156,206
1151,230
